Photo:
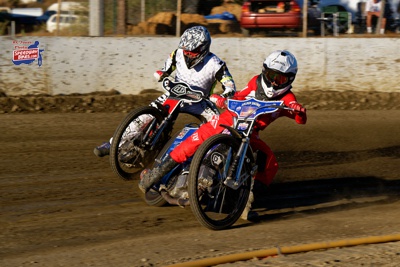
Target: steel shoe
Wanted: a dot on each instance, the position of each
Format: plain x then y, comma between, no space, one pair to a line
102,150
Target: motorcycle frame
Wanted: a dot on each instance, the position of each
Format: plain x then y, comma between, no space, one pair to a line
178,92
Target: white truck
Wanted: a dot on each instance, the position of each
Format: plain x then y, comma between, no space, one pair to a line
70,8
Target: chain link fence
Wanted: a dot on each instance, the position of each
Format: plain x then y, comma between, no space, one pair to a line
135,11
138,10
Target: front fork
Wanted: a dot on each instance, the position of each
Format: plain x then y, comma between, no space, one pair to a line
153,139
234,178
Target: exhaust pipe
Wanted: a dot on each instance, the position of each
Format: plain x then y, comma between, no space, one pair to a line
181,202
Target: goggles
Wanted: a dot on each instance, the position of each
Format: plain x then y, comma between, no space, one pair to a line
276,77
192,54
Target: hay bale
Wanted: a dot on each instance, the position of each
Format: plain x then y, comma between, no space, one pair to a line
193,19
166,18
157,28
230,27
135,30
223,26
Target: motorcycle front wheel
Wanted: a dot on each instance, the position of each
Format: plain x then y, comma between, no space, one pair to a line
129,154
214,204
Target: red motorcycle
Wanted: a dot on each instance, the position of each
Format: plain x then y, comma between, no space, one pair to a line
144,131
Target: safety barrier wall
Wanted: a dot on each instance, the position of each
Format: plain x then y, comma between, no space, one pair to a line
126,64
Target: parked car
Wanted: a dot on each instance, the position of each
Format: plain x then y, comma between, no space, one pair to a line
67,8
45,17
70,8
264,15
66,21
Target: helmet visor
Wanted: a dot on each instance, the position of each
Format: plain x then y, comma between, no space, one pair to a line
275,77
192,54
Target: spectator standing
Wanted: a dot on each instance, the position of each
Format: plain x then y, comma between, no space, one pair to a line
373,9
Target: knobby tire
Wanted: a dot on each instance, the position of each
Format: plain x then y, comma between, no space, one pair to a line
235,200
116,165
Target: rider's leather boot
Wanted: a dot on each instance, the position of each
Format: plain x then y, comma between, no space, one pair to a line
149,177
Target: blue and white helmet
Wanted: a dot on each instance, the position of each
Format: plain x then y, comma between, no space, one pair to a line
195,43
278,73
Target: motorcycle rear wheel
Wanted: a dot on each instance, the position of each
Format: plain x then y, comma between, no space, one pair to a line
215,205
142,158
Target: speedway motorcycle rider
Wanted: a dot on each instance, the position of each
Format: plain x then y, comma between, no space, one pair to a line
274,83
195,65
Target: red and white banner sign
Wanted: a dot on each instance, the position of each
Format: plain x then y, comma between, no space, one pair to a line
25,54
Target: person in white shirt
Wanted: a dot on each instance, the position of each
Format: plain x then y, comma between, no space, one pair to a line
373,8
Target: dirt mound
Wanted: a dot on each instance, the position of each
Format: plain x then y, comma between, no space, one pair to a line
113,101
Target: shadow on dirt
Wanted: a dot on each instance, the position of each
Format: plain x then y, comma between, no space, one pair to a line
326,195
291,159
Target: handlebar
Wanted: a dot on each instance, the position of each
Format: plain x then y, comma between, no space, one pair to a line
252,108
270,106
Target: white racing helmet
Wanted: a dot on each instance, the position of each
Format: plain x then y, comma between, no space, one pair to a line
278,73
195,43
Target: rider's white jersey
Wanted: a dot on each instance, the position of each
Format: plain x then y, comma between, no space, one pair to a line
202,76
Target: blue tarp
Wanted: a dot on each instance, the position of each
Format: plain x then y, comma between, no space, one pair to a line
224,16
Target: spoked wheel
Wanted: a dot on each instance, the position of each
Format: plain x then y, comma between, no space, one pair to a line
214,204
128,152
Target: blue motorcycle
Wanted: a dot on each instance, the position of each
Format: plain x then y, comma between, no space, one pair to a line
217,180
173,187
222,169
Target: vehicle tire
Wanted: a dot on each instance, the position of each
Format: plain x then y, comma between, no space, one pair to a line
215,205
123,148
246,32
154,198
